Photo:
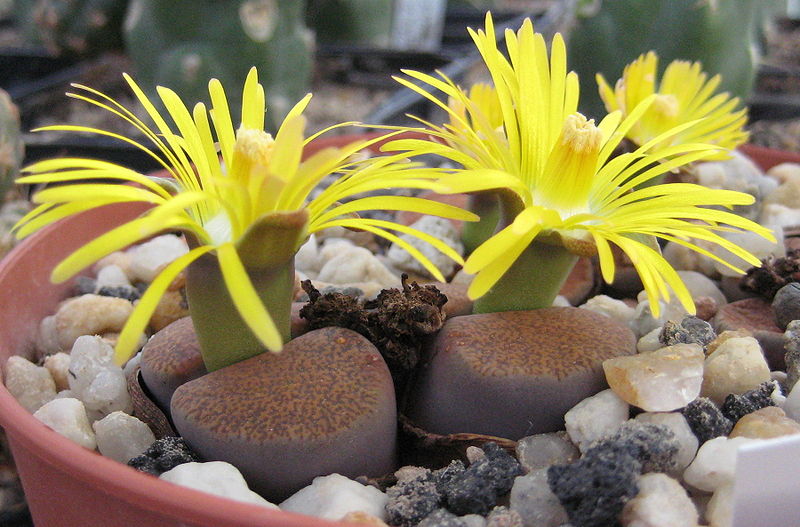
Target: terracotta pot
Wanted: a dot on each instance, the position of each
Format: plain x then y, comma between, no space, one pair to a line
65,484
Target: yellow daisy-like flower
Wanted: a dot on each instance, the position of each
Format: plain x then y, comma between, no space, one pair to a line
559,183
684,94
238,209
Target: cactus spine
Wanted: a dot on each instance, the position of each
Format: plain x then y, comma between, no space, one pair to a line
181,44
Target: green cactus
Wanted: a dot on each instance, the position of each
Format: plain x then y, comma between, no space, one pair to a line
181,44
80,27
720,34
358,22
12,147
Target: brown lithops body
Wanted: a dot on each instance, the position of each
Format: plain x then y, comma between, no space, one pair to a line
514,373
171,358
324,404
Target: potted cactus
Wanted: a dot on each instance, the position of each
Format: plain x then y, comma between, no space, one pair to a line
560,189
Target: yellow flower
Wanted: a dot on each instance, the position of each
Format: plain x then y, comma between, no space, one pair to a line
684,94
557,179
221,204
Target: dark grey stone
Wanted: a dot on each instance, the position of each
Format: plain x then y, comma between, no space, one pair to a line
734,407
412,500
786,304
691,330
706,420
163,455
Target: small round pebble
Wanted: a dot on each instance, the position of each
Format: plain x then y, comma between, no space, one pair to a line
595,417
533,500
90,315
333,496
786,304
58,366
715,463
706,419
735,366
542,450
121,436
661,502
764,424
67,416
215,477
31,385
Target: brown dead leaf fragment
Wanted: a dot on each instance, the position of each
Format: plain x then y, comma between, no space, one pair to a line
773,274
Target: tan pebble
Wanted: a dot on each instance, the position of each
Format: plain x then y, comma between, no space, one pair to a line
725,335
658,381
736,366
90,315
362,518
58,366
765,423
170,308
785,172
179,282
31,385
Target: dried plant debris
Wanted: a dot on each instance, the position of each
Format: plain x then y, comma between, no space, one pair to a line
773,274
397,321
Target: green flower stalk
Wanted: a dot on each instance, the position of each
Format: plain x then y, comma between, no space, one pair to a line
560,190
244,209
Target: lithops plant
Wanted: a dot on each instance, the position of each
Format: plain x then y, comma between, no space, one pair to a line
180,44
80,27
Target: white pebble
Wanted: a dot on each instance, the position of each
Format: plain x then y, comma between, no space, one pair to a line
357,264
47,337
307,258
68,417
95,379
149,258
121,436
31,385
791,406
650,341
736,366
595,417
441,229
215,477
533,500
719,511
700,285
58,366
660,502
610,307
683,434
715,463
644,322
111,276
331,497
